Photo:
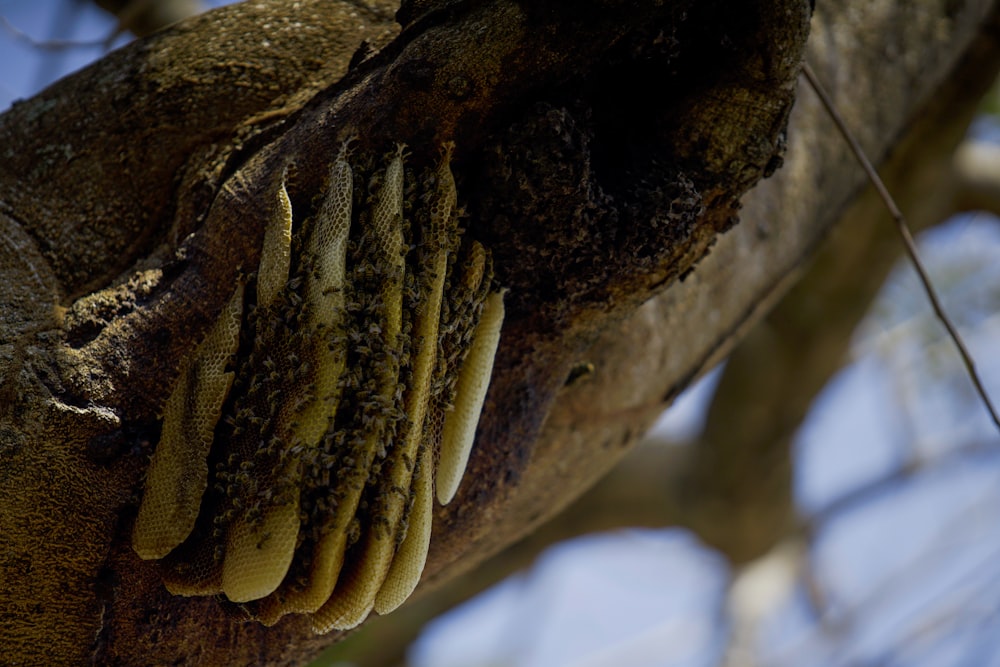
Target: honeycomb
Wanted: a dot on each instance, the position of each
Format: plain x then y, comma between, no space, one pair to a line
305,436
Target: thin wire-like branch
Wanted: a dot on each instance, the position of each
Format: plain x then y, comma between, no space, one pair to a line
49,44
904,232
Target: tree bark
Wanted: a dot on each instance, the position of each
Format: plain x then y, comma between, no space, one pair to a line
739,486
121,245
784,219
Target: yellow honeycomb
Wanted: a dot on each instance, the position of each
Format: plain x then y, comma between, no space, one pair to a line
296,471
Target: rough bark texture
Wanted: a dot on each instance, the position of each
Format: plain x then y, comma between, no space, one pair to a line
902,56
599,152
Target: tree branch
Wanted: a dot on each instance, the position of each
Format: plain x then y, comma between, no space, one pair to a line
635,181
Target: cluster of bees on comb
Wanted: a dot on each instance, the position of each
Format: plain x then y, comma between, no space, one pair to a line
336,394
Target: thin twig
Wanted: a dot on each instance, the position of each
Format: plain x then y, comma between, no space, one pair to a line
48,44
904,232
